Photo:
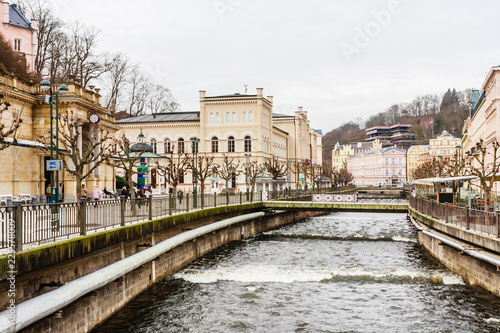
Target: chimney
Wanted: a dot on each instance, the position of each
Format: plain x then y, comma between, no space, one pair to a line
300,108
6,9
203,93
260,92
270,99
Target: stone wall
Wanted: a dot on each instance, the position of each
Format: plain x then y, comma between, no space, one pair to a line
472,270
91,310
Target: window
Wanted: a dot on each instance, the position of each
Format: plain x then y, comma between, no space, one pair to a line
400,172
393,161
228,116
181,178
386,161
153,145
230,144
234,116
167,146
217,117
393,172
244,118
248,144
17,45
181,145
211,117
215,145
250,116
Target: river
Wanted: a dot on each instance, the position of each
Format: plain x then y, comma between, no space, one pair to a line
341,272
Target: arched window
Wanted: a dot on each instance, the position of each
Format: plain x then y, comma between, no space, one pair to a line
215,145
230,144
250,116
248,144
153,145
181,145
217,117
211,117
234,116
167,147
228,116
244,118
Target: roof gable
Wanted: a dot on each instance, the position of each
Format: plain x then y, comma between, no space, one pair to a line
17,19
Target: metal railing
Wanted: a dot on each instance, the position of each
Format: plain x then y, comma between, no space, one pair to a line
36,224
41,223
487,222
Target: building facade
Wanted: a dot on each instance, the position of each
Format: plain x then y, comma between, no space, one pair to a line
340,153
484,120
23,163
20,32
444,145
416,156
380,167
398,135
240,126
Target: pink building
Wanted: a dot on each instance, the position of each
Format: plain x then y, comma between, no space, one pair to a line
381,167
20,32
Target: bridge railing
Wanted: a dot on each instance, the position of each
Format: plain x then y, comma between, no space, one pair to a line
487,222
23,224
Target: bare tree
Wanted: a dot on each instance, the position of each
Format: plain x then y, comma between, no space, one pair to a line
173,168
116,79
487,168
84,152
83,61
9,123
140,88
49,31
276,168
204,169
126,160
161,100
229,169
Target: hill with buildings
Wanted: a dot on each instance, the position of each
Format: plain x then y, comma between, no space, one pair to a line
428,115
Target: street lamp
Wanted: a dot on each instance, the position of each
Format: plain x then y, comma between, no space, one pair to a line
63,89
194,146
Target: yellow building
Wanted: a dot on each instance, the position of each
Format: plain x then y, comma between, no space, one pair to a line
416,156
236,125
23,165
340,153
444,145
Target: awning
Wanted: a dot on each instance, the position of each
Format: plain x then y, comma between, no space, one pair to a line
432,181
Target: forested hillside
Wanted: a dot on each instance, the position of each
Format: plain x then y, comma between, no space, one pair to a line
429,115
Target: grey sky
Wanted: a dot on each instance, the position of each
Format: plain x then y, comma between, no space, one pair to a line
296,50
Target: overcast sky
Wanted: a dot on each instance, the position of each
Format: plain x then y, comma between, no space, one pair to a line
340,60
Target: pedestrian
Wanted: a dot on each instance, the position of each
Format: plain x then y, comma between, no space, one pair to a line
124,192
148,192
83,193
180,194
106,192
48,192
96,193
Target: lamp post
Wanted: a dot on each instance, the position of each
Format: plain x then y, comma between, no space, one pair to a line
63,89
194,146
247,173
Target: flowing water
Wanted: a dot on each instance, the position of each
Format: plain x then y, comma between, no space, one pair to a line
342,272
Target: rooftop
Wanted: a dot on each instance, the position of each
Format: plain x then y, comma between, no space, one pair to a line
162,117
16,18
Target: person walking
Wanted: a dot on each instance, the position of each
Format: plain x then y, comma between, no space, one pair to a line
48,193
83,193
96,193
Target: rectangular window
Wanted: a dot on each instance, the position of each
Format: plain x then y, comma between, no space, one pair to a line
17,45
